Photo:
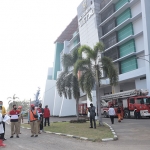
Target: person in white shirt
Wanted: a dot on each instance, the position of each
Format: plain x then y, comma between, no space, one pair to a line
111,113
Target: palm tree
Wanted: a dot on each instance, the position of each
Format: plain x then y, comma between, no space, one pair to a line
12,99
91,66
67,83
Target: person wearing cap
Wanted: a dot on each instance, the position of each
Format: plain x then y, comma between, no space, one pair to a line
40,121
20,118
92,116
14,113
3,112
33,120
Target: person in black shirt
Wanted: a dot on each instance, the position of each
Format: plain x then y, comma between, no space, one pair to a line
92,115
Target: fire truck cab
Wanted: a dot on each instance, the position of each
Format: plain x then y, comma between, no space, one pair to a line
130,102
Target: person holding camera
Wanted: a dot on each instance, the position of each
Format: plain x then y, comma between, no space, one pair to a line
33,120
92,116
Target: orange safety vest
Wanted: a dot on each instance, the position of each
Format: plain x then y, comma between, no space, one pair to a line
31,115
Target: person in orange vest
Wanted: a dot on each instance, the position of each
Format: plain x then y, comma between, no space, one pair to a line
122,113
33,120
119,113
20,118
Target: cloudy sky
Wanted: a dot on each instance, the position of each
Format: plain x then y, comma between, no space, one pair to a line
28,29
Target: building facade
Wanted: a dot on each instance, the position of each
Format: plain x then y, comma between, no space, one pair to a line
123,27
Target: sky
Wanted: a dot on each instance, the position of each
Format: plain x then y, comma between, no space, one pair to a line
28,29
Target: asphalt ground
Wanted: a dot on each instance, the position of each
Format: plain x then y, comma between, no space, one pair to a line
133,135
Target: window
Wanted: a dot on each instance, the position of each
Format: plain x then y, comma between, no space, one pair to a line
127,48
110,40
129,64
104,3
113,53
146,100
124,16
139,101
108,12
132,101
120,3
109,26
125,32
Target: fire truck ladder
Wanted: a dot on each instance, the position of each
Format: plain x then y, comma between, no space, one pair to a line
123,94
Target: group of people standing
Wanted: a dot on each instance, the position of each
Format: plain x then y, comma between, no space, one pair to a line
36,115
35,118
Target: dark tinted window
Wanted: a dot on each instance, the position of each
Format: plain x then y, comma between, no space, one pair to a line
110,40
108,12
109,26
104,3
132,101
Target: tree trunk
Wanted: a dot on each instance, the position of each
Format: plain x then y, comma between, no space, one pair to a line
77,108
98,97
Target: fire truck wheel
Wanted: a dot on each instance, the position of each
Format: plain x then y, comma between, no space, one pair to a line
126,114
105,115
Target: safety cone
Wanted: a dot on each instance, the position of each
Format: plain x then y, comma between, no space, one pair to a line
2,144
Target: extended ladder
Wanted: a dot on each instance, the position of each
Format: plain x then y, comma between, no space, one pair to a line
125,94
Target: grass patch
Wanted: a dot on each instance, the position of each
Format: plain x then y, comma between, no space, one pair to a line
79,129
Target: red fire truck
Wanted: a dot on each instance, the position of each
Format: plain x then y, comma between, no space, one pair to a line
129,101
82,109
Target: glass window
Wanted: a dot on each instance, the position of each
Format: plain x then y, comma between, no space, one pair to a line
124,16
125,32
127,48
132,101
120,3
129,64
146,100
139,101
104,3
108,12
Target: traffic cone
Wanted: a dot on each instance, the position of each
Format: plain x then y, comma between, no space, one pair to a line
2,144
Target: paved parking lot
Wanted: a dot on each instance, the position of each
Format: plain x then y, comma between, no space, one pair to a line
133,135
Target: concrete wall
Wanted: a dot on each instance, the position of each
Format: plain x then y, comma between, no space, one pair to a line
136,9
130,85
139,43
89,31
68,107
49,94
146,28
140,84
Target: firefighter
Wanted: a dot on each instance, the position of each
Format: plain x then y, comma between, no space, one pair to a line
122,113
119,113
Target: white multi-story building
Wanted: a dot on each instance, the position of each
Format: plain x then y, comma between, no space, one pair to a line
123,27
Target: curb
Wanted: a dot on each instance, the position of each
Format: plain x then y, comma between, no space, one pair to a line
81,138
67,135
113,132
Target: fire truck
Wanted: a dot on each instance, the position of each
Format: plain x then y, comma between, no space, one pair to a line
82,109
129,101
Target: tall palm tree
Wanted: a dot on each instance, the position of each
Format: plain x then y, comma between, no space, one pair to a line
67,83
91,66
12,100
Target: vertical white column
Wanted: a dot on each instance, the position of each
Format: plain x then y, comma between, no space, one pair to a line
145,5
